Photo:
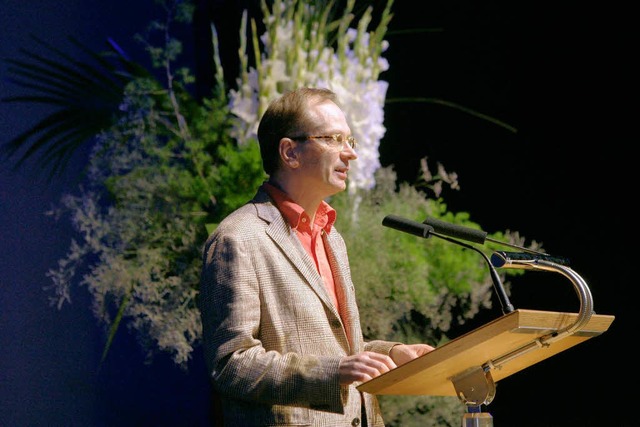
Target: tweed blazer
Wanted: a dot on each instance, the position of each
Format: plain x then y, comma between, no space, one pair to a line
273,339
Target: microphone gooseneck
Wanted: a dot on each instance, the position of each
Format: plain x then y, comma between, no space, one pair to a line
507,259
427,230
498,287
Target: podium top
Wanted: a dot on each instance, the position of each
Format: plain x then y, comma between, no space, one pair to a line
431,374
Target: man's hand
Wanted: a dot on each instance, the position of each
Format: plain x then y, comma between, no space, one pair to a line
402,353
363,367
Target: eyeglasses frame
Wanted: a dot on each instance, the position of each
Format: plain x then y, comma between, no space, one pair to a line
337,137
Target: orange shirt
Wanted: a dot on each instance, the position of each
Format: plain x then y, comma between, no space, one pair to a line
310,235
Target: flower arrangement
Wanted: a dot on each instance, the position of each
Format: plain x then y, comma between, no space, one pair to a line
158,174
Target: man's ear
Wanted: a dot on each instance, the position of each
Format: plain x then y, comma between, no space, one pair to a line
289,152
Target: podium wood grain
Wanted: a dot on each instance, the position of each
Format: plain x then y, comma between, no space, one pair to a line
431,374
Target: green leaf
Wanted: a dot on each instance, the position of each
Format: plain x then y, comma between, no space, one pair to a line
114,327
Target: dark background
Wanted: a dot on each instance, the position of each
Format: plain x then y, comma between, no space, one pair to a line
559,72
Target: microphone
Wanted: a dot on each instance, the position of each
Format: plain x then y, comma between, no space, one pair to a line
426,230
471,234
457,231
408,226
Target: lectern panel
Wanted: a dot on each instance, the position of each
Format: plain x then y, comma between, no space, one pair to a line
431,374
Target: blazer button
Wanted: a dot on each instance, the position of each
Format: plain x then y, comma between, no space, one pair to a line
355,422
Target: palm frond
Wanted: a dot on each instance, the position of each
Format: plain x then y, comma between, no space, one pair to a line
84,92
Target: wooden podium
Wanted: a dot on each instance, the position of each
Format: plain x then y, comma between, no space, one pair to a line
469,366
503,346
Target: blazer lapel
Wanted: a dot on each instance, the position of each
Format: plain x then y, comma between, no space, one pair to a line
345,291
283,236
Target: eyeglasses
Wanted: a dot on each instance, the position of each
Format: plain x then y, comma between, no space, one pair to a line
335,140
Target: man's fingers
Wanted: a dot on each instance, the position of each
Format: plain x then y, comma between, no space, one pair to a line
383,362
364,366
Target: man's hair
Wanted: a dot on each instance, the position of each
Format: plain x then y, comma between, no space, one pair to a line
287,116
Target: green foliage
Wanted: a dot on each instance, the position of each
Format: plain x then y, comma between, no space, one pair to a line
400,277
238,176
421,411
151,193
164,169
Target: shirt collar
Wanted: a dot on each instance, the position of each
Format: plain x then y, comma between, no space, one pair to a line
293,213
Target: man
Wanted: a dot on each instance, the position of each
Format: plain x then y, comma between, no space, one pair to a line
282,334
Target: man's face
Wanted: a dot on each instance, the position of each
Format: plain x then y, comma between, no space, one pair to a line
324,162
